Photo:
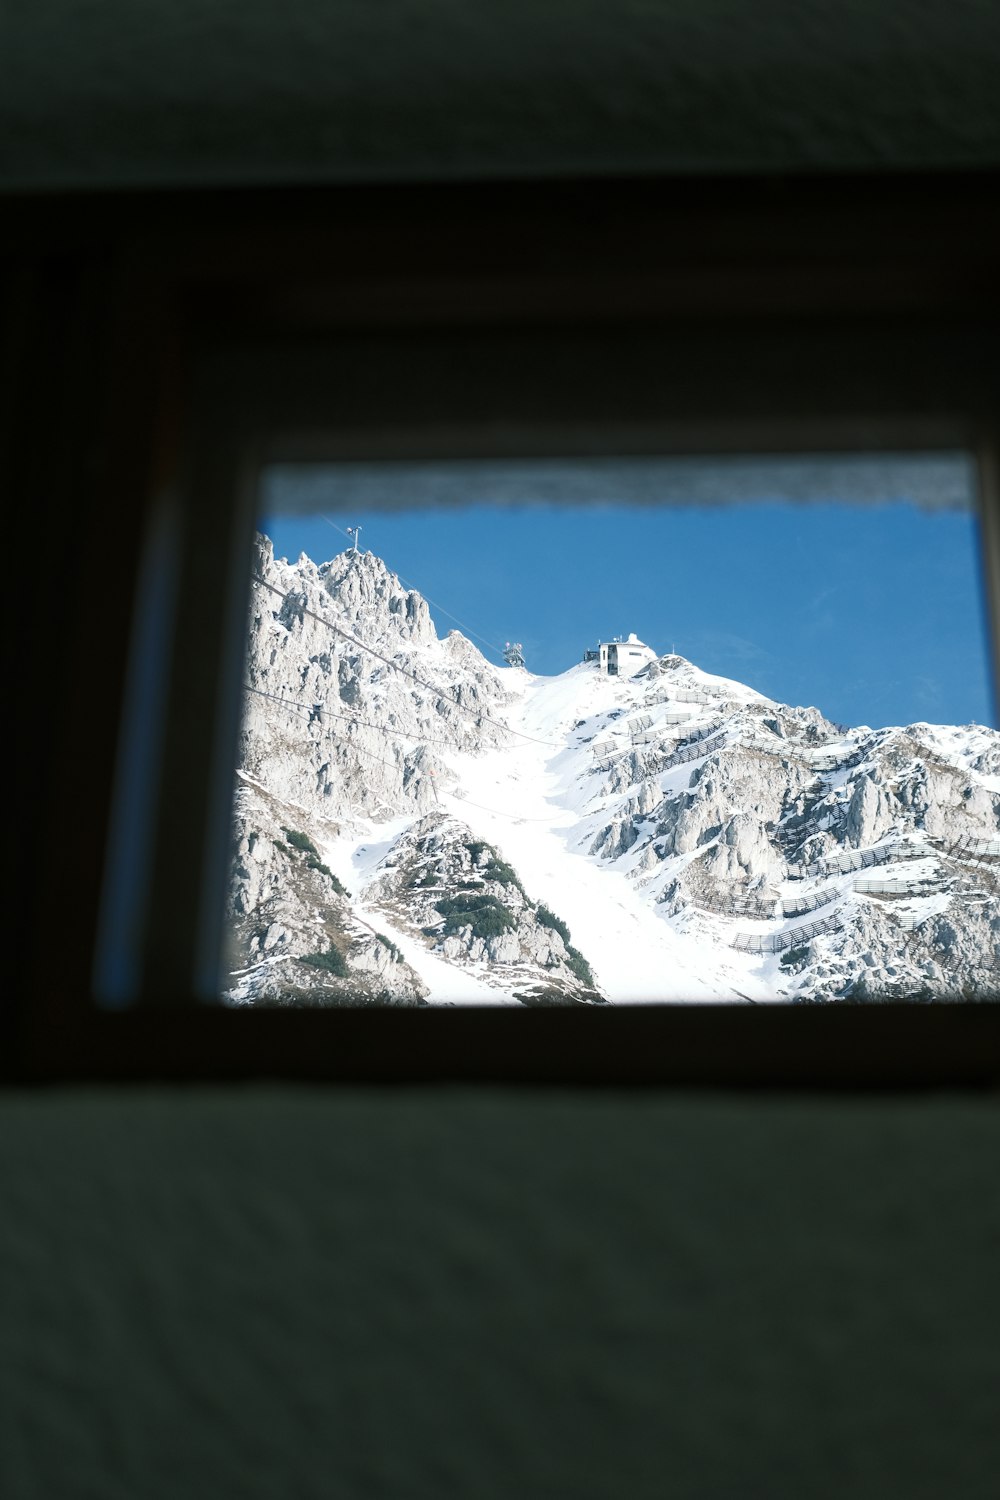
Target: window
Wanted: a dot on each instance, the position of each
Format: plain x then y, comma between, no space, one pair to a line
424,817
616,319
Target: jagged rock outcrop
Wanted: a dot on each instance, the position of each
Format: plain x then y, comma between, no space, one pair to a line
790,796
351,700
469,904
332,726
782,855
294,937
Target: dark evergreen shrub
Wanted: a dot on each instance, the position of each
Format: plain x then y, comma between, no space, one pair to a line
579,966
332,961
484,914
300,841
388,943
485,924
313,863
504,874
549,919
496,868
469,902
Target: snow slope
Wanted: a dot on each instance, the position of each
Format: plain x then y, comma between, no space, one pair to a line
526,799
458,832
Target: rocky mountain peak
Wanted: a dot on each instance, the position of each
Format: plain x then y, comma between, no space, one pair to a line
354,589
414,823
350,696
365,590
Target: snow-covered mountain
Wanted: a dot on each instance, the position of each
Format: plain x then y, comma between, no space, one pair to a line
416,825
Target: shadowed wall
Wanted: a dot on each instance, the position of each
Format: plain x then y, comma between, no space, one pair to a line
269,1292
189,91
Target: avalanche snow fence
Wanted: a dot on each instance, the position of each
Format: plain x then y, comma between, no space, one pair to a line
776,942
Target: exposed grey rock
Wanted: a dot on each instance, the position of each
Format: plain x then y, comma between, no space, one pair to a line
351,716
357,735
437,863
288,912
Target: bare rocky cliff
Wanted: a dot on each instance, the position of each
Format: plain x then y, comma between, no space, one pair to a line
867,860
783,856
336,733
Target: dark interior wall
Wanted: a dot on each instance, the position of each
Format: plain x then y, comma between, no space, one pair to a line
270,1291
302,1294
187,91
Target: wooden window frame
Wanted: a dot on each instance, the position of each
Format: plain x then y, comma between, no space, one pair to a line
200,336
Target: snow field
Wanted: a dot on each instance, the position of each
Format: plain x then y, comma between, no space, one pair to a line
527,804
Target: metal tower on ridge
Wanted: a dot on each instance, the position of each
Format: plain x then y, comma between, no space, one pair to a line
355,532
513,655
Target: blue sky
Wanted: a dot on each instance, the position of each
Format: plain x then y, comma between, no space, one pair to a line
871,611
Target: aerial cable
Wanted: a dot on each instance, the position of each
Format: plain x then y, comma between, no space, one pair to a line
325,713
302,710
295,708
336,629
511,817
478,714
313,712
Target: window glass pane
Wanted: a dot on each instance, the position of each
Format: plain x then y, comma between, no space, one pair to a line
622,730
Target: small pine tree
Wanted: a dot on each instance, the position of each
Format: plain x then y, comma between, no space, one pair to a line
332,961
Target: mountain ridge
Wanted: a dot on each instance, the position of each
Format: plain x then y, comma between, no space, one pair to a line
511,839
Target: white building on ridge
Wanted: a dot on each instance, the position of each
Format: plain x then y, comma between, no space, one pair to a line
621,658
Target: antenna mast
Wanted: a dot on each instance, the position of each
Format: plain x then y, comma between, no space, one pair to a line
355,532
